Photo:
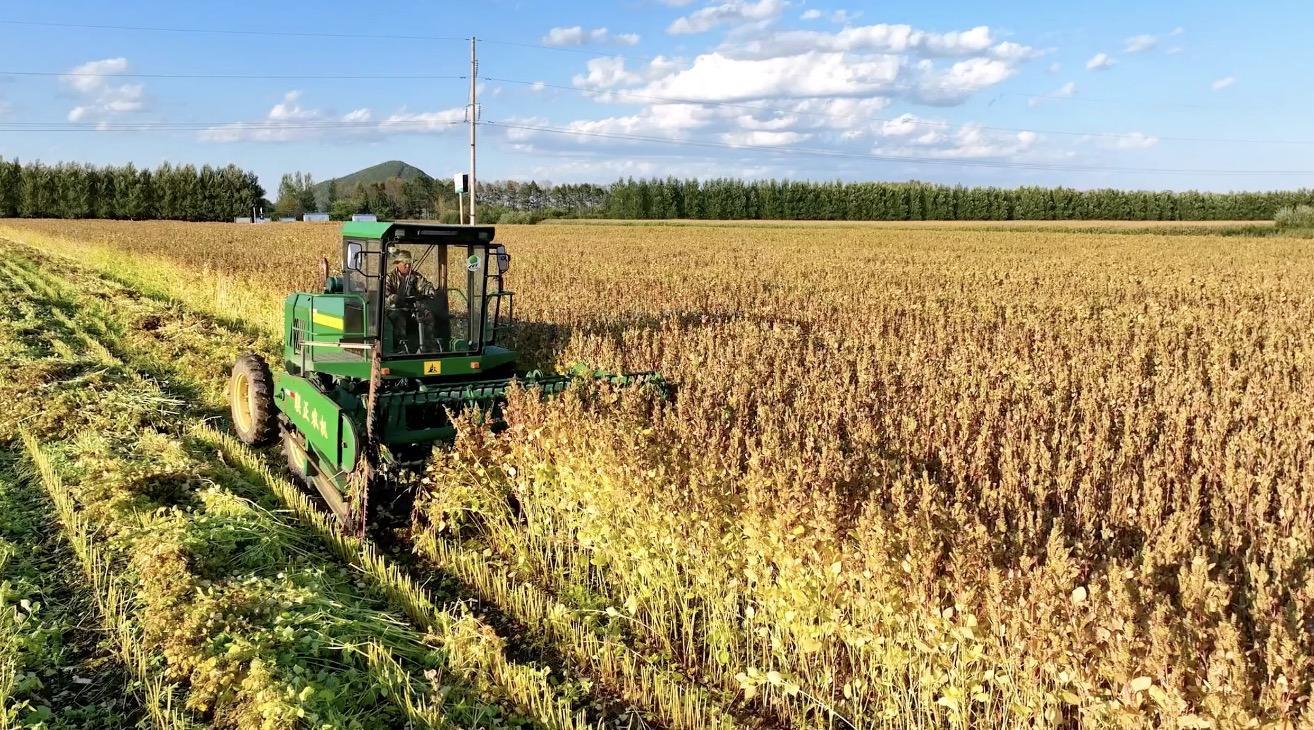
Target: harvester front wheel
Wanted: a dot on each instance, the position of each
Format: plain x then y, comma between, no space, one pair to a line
251,398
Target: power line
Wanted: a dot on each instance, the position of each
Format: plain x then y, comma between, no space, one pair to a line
132,75
310,34
255,126
893,158
562,49
228,31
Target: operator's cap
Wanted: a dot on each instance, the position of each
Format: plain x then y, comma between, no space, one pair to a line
402,256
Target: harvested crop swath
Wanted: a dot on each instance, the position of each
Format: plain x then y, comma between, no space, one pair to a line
911,477
54,667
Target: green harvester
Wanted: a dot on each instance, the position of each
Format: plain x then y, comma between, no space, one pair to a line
375,365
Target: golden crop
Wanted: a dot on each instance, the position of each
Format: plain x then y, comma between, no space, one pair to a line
911,477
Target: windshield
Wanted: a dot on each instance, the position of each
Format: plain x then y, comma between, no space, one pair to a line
432,296
427,296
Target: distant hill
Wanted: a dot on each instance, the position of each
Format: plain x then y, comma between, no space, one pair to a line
374,174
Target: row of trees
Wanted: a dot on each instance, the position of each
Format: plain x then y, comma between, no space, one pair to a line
574,199
296,196
791,200
391,199
429,198
70,190
184,192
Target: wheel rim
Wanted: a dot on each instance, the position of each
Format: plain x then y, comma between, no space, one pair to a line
242,402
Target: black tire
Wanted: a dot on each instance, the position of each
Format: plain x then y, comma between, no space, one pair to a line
251,401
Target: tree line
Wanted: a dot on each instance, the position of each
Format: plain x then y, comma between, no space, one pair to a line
730,199
184,192
426,197
181,192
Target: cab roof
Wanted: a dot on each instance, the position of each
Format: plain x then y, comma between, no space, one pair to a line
418,231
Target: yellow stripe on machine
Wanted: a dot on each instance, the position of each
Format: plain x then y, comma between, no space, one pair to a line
326,320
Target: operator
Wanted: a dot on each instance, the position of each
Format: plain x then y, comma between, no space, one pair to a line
405,291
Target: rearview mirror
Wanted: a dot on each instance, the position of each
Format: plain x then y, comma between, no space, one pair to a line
353,257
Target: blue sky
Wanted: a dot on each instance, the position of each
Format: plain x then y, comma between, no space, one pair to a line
1124,94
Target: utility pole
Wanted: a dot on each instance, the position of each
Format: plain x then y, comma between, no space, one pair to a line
473,117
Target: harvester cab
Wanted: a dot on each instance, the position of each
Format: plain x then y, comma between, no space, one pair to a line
375,363
420,291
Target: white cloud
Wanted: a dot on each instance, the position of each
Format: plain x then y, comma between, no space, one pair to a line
1223,83
594,169
290,109
827,87
750,122
439,121
579,36
762,138
883,38
573,36
285,122
840,115
868,62
1139,43
1100,62
960,80
1066,91
810,14
1055,67
910,135
358,116
606,73
1131,141
901,126
90,76
1179,30
538,87
101,98
662,120
731,12
290,121
714,77
517,135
